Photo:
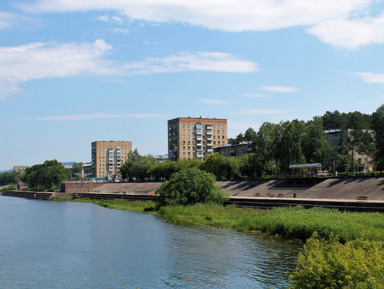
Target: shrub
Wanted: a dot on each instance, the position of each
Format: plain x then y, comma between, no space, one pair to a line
188,187
9,188
330,264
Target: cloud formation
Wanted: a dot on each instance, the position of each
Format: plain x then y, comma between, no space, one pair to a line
282,89
54,60
327,19
212,101
370,77
75,117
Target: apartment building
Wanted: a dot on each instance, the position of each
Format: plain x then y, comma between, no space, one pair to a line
108,156
195,138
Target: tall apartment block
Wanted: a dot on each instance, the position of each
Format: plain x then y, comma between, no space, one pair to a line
108,156
195,138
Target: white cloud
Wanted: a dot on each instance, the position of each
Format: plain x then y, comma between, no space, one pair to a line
254,95
282,89
370,77
112,19
199,61
254,111
12,20
351,34
120,30
212,101
76,117
229,15
52,60
338,22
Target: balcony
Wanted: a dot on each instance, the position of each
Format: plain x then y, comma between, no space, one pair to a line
209,131
199,144
199,138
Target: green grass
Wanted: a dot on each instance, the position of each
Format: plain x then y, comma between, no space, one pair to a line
288,222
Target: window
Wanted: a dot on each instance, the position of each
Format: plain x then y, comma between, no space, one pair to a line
183,148
188,125
222,137
189,136
188,130
183,142
222,126
222,131
189,148
183,136
183,124
214,126
214,137
218,131
183,130
214,131
214,142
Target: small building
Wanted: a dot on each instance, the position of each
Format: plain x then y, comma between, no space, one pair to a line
235,150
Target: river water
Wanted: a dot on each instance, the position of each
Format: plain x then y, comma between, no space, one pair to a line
81,245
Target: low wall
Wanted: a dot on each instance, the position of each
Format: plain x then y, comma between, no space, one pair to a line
80,187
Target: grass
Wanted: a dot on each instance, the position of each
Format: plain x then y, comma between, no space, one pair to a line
288,222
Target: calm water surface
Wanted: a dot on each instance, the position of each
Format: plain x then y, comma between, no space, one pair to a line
80,245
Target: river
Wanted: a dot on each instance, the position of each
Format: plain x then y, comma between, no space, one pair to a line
47,244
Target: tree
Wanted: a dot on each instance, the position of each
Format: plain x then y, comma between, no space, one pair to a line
10,178
190,186
137,167
47,176
77,168
378,126
222,167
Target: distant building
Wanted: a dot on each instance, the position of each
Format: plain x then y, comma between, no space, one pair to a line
333,137
87,168
195,138
235,150
161,158
20,169
108,156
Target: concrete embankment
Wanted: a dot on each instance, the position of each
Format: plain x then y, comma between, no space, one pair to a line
355,194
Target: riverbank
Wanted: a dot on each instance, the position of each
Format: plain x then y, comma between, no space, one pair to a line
291,223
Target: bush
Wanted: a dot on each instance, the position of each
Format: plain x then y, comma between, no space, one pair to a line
330,264
188,187
9,188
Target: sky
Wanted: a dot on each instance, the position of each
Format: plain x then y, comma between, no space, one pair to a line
73,72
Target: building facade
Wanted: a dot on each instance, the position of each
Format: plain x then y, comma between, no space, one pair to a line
195,138
108,156
333,137
235,150
20,169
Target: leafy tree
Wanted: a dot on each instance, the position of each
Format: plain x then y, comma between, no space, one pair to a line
137,167
251,166
10,178
315,147
77,168
190,186
47,176
222,167
378,126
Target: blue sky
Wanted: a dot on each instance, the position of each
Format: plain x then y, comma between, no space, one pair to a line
72,72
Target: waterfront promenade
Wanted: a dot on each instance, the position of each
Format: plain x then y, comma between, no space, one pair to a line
355,194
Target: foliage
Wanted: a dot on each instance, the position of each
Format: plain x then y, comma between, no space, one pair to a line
188,187
9,188
10,178
378,126
45,177
137,167
77,168
223,168
330,264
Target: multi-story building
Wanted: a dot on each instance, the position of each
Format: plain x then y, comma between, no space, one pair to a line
195,138
20,169
235,150
108,156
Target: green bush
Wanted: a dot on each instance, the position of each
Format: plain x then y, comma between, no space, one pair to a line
9,188
330,264
190,186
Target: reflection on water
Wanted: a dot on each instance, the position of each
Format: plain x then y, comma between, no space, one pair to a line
79,245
